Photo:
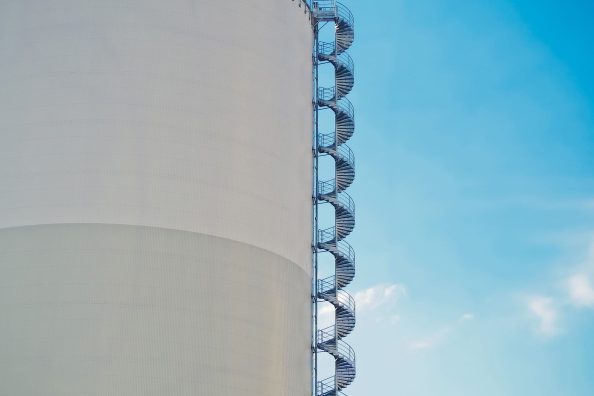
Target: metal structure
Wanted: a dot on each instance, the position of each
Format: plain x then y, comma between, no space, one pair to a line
332,14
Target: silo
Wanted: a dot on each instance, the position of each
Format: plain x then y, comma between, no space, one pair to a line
155,197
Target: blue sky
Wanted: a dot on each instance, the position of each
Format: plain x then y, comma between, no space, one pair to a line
475,198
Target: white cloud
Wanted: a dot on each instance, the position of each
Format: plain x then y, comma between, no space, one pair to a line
466,317
581,290
325,315
580,285
439,337
431,341
543,309
368,300
379,295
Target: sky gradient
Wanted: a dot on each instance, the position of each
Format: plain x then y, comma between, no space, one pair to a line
475,198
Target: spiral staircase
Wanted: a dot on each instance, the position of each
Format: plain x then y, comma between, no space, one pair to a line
332,192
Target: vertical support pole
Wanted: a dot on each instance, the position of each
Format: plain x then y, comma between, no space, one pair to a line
315,230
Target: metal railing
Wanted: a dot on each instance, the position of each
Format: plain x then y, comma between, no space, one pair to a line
327,94
332,9
328,387
328,189
328,237
328,98
328,49
346,301
328,285
345,15
324,9
328,337
328,141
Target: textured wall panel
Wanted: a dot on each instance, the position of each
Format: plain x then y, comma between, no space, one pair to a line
191,115
136,311
155,197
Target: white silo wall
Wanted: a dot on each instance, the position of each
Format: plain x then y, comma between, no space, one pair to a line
155,197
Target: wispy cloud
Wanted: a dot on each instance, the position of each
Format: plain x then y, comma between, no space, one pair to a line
325,315
429,342
544,312
581,290
580,285
466,317
378,296
575,289
439,336
369,300
390,319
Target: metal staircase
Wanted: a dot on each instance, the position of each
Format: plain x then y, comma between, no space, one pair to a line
332,239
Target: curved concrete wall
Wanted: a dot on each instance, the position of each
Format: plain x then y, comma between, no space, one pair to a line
155,197
190,115
127,310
